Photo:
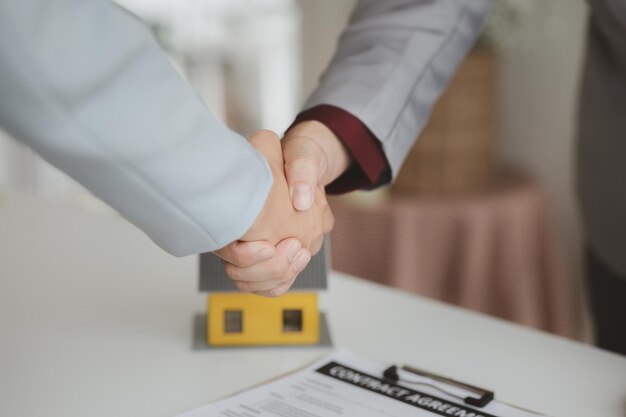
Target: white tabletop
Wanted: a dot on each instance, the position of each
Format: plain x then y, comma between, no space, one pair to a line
95,320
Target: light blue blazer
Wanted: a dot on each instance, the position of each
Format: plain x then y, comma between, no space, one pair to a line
83,83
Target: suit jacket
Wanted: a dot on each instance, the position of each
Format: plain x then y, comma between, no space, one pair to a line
393,62
85,85
602,134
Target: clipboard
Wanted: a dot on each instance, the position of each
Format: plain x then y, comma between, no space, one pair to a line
470,394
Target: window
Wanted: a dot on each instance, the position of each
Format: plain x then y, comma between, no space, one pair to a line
292,321
233,321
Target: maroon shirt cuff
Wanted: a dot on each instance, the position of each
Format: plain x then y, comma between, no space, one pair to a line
370,168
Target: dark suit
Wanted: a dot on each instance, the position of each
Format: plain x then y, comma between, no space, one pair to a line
602,169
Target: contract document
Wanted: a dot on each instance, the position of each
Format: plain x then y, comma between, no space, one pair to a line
343,384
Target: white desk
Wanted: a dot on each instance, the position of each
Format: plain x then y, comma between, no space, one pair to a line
96,321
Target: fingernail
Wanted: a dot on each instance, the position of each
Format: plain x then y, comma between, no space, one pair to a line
302,196
293,251
264,254
301,261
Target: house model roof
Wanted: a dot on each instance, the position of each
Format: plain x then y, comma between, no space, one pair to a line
214,279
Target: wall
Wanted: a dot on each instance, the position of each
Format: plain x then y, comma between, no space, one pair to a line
322,23
538,92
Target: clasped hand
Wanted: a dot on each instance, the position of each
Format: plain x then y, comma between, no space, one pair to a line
295,217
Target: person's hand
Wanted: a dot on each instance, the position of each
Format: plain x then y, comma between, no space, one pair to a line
254,263
314,157
278,219
264,269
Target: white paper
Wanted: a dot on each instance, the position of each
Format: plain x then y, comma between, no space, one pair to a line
342,384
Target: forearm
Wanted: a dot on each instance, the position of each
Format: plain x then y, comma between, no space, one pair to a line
85,86
393,61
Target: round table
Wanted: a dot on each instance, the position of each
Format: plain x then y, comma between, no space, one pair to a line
494,252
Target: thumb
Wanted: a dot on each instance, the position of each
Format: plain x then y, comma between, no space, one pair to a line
304,166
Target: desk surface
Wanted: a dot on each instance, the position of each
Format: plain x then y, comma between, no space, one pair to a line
95,320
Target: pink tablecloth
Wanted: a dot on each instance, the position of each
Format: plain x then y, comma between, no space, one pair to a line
494,253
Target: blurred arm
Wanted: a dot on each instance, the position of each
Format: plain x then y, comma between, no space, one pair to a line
85,85
393,62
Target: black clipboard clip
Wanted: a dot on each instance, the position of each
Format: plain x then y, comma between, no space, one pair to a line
482,398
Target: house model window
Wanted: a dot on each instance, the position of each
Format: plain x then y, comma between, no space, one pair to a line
292,320
233,321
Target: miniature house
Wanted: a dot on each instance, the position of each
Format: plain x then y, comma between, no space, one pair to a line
237,319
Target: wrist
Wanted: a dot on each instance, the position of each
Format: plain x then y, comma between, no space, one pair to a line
338,159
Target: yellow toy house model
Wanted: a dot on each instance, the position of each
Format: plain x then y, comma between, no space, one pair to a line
238,319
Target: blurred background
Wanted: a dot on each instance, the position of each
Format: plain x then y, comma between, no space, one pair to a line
484,213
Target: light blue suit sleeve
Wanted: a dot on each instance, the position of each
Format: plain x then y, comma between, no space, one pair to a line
393,62
84,84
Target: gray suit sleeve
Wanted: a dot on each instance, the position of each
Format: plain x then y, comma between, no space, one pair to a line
85,85
394,60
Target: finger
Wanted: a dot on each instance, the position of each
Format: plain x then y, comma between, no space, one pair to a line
301,261
262,285
268,143
274,268
329,220
303,163
301,179
317,245
276,292
245,254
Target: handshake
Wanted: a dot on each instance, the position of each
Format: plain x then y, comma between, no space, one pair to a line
291,226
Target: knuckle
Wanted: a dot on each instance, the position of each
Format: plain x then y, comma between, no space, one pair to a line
301,167
323,200
317,245
276,292
232,271
267,132
268,285
277,269
307,241
289,279
329,224
236,257
266,293
324,207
